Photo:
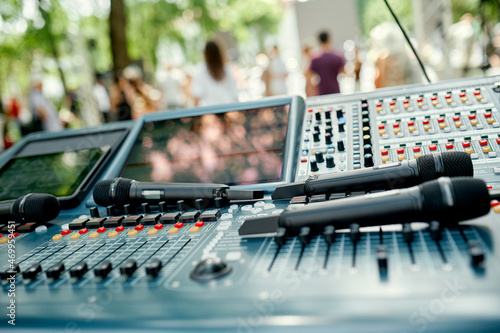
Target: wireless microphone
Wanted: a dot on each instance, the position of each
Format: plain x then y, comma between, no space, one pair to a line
384,177
447,200
31,207
121,191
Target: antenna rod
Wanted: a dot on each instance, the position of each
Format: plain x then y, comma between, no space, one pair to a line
409,42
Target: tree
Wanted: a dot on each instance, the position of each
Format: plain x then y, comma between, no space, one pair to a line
118,35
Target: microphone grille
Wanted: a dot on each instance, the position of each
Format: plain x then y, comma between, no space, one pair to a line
470,199
455,164
101,193
37,208
102,196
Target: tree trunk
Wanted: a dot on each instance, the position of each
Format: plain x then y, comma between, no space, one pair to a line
118,35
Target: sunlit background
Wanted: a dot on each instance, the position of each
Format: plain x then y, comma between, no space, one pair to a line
65,43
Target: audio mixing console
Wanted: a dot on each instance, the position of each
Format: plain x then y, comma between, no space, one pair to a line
183,265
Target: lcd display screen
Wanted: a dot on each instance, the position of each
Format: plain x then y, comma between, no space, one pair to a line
59,174
233,148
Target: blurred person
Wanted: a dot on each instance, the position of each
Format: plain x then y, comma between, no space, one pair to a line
119,99
461,38
142,97
101,96
275,74
327,65
214,83
312,79
171,88
44,114
392,63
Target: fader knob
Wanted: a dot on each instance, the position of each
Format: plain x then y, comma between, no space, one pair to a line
367,149
319,157
94,212
145,208
110,210
368,160
314,166
330,163
127,209
163,206
340,145
154,268
328,138
128,269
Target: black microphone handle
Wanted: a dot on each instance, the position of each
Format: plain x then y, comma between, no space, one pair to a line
6,209
154,193
398,206
388,176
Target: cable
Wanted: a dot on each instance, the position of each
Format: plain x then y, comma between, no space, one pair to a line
409,42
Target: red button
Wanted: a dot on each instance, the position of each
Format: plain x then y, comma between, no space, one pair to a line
466,144
432,147
14,235
310,110
139,227
406,101
489,187
395,125
416,149
487,115
179,225
379,104
462,94
83,231
483,142
381,126
400,150
456,118
392,103
477,92
447,96
199,224
65,232
472,116
101,230
158,226
440,120
420,99
303,160
434,98
425,121
120,228
411,123
1,235
449,145
494,203
384,152
498,141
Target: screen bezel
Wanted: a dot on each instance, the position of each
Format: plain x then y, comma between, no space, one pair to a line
290,149
112,135
104,152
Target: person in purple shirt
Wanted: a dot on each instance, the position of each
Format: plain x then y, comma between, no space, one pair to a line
327,65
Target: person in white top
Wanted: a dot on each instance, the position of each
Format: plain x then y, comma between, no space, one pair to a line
275,74
214,83
43,110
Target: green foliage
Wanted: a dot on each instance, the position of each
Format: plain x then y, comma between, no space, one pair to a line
374,12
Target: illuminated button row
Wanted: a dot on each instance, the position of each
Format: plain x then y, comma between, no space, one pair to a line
133,232
484,144
422,102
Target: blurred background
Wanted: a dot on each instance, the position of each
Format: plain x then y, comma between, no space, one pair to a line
86,62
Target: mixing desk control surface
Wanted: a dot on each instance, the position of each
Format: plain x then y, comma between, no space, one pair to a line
183,265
